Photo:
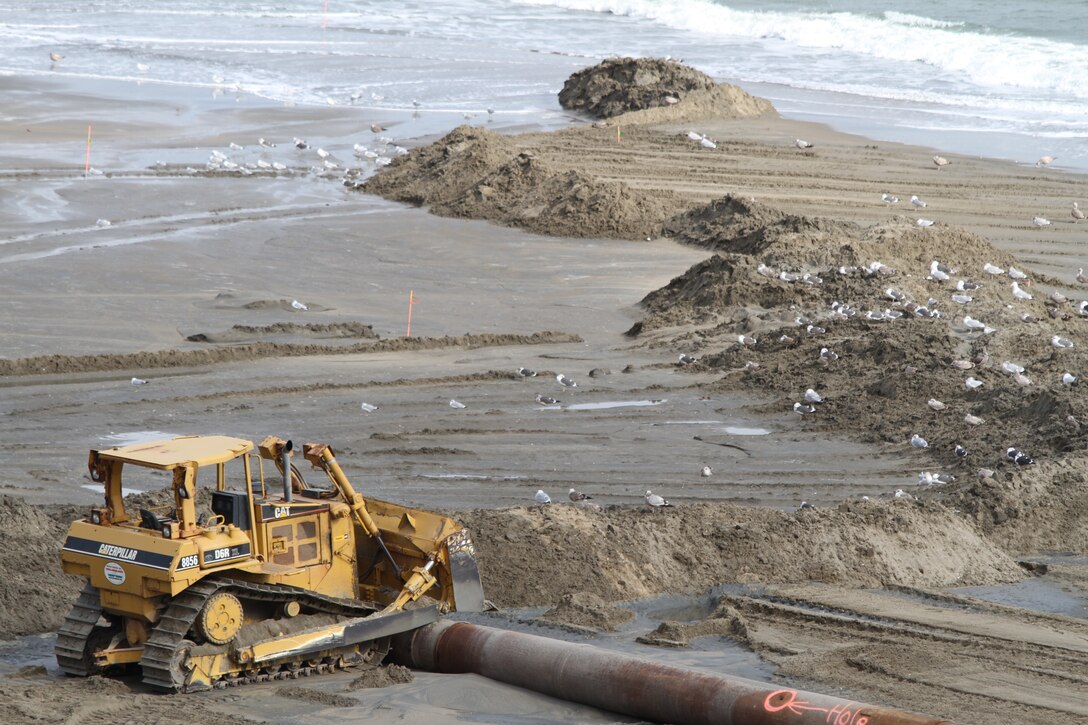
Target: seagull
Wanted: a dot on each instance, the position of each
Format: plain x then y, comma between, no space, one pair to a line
1061,342
972,420
1058,298
973,383
1068,378
1016,274
826,354
925,222
1045,161
542,498
802,144
889,199
565,381
806,506
262,164
1077,213
138,381
416,103
1040,221
973,324
687,359
966,285
457,404
143,67
707,472
323,153
656,501
764,271
55,57
746,340
934,404
900,493
1081,276
526,373
300,144
102,223
803,409
992,269
707,143
576,496
940,162
368,408
298,305
962,299
961,452
1021,459
918,202
962,364
918,441
546,400
1011,368
811,396
1019,293
815,330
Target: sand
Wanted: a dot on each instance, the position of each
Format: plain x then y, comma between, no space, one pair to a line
548,232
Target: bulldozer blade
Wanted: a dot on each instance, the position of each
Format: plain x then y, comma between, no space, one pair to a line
468,592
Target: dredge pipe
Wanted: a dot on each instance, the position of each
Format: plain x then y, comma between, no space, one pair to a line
629,685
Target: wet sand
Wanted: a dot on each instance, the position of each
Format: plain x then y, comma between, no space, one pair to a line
190,253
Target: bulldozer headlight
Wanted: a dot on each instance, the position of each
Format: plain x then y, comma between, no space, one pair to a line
183,492
167,531
96,517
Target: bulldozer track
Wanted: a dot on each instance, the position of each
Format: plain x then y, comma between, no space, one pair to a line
170,633
71,645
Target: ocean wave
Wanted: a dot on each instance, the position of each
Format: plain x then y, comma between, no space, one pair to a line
988,60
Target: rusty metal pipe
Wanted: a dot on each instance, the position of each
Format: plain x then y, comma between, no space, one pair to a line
630,685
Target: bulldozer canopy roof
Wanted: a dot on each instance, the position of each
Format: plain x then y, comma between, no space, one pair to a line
181,451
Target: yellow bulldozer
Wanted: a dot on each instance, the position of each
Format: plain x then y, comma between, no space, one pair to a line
269,582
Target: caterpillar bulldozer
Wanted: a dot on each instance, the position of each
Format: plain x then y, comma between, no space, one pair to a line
272,582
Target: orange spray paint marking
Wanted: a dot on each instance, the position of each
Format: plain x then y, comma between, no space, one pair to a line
619,134
87,163
411,301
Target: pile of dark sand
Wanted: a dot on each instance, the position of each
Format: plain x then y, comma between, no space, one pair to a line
242,333
618,86
586,610
383,676
526,555
477,174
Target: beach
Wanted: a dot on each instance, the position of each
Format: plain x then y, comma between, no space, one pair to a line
190,287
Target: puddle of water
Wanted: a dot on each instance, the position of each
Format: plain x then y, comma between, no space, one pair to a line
34,649
615,404
1035,594
99,488
741,431
690,422
136,436
466,477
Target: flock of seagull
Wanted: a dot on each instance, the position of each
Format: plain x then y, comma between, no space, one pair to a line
653,500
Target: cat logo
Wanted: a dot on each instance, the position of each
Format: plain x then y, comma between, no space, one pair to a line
282,512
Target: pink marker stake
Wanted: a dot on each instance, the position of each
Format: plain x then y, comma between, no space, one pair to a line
87,163
411,301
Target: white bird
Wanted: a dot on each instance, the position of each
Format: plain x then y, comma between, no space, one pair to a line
707,472
966,285
889,198
143,67
457,404
962,299
1040,221
578,496
935,404
687,359
368,408
961,452
925,222
139,381
962,364
803,409
802,144
1081,276
323,153
806,506
972,420
900,493
1021,379
1061,342
298,305
765,271
972,383
918,441
918,202
1068,379
1016,274
811,396
526,373
416,103
935,272
546,400
826,354
102,223
266,144
973,324
695,136
1019,293
1077,213
656,501
1045,161
565,381
746,340
1011,368
542,498
262,164
940,162
992,269
300,144
707,143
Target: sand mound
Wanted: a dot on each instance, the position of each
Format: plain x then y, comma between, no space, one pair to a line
382,677
34,593
587,610
474,173
245,333
527,554
657,90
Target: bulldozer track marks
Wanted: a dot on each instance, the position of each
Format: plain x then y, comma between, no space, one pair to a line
170,633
